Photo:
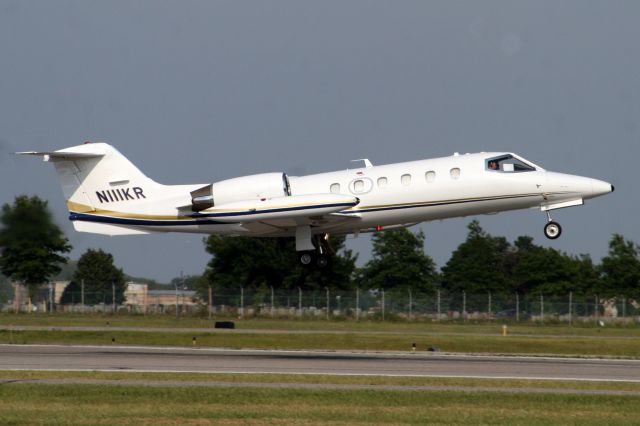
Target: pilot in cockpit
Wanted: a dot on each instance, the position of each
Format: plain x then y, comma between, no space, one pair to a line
493,165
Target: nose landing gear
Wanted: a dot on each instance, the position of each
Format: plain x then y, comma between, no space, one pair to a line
552,230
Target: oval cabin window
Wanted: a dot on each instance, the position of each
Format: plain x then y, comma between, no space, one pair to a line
358,186
335,188
406,179
382,182
455,173
430,176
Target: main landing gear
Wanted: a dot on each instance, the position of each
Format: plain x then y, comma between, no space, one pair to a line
322,253
552,230
307,258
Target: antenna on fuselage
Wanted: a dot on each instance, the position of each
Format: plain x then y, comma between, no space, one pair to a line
366,162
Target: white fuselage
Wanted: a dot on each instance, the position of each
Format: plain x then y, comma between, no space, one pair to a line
456,186
107,194
407,193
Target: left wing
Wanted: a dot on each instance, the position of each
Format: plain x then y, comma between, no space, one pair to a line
296,208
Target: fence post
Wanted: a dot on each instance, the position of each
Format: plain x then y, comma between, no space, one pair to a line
357,303
242,302
50,297
596,311
177,313
464,306
299,302
489,313
570,308
410,303
113,298
624,307
209,305
327,288
272,303
82,294
438,307
382,304
541,307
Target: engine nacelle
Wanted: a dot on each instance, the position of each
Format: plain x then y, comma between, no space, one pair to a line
264,185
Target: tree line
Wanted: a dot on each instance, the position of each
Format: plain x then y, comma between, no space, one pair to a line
33,249
482,263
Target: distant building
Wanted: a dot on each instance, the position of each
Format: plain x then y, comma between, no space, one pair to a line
168,297
137,296
47,293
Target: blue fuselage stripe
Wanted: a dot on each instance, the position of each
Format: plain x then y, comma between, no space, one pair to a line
435,204
209,218
287,209
194,218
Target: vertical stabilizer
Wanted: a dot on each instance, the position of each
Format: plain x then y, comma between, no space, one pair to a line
96,177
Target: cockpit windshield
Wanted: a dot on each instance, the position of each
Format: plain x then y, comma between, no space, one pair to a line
508,164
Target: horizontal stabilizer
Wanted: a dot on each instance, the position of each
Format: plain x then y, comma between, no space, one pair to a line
61,155
84,151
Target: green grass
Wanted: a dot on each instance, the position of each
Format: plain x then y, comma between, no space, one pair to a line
106,405
168,321
361,341
87,404
116,376
622,341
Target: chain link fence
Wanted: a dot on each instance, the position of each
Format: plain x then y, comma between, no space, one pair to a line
408,305
354,305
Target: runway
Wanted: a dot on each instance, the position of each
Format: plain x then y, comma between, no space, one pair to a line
201,360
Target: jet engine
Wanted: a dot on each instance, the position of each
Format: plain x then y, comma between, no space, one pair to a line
265,185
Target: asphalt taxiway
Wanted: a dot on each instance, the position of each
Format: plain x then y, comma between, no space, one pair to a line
203,360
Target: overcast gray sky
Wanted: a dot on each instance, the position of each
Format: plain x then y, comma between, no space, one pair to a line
198,91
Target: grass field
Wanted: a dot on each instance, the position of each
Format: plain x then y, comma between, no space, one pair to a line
360,341
457,401
105,404
470,383
325,335
168,321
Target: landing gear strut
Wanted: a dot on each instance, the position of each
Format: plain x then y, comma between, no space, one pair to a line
307,258
321,254
552,230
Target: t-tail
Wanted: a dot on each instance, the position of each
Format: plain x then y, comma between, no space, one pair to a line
105,192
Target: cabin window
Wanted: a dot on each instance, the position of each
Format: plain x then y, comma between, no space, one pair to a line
405,179
508,164
430,176
382,182
455,173
360,185
335,188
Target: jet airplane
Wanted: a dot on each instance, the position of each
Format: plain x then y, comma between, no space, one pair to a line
107,194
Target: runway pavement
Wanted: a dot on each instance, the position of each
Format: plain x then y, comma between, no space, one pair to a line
157,359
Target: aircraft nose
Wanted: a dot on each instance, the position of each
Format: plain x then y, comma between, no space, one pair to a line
600,187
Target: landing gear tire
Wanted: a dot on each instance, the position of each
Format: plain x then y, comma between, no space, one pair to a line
552,230
306,258
322,261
